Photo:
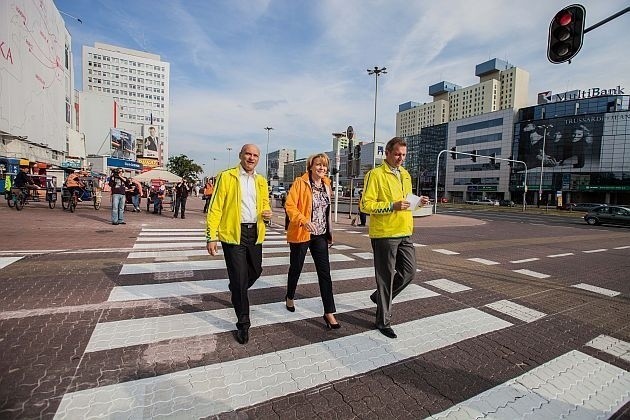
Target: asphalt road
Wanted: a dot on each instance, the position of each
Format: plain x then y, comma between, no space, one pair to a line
510,315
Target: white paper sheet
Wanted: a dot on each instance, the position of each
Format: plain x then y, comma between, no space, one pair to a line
414,201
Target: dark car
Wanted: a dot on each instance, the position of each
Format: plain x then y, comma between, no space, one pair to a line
582,206
507,203
614,215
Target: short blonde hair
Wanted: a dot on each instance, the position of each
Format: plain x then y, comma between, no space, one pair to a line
322,156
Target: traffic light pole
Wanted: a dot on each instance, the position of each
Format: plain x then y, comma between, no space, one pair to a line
608,19
437,172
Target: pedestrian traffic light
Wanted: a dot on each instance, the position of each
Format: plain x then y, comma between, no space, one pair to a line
510,161
453,152
474,155
357,151
492,159
566,33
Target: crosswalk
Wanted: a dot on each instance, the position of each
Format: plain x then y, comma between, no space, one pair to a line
573,384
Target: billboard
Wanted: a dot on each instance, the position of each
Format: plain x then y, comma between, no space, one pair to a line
122,144
151,141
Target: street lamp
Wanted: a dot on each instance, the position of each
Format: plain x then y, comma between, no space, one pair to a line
376,71
214,166
229,149
542,159
267,154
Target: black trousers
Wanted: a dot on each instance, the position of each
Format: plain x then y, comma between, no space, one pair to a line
244,266
205,207
319,251
180,202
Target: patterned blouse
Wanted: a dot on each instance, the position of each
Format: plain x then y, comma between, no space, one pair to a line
321,201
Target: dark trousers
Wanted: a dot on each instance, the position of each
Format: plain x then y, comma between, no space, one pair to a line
244,266
205,207
180,201
362,218
395,268
319,251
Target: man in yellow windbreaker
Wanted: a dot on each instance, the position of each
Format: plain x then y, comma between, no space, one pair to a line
391,226
238,211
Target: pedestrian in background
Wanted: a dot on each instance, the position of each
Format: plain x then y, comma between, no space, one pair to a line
391,226
237,215
182,189
118,185
362,215
160,193
310,227
136,193
208,190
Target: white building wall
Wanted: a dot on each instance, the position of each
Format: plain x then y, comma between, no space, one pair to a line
96,118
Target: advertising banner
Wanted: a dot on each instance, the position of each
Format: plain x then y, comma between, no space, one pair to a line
151,141
122,144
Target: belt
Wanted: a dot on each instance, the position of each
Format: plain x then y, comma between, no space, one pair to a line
248,225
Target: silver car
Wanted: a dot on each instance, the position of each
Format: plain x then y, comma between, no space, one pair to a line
614,215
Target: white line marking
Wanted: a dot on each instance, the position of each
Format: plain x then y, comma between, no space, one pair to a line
574,385
342,247
352,231
590,251
418,245
596,289
364,255
130,332
214,264
448,285
222,387
516,311
566,254
622,247
532,273
186,288
483,261
445,251
194,253
524,261
5,261
612,346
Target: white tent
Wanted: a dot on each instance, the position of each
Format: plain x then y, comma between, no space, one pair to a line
157,173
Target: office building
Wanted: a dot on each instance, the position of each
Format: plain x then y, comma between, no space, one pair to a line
277,163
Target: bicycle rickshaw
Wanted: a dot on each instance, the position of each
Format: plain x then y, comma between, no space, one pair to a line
91,192
18,197
169,196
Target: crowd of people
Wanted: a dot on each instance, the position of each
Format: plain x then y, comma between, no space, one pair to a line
239,211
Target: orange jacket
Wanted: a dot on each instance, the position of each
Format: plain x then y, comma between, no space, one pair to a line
299,207
208,189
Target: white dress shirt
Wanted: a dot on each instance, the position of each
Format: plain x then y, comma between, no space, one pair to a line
248,196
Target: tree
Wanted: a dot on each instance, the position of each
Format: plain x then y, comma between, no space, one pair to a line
185,167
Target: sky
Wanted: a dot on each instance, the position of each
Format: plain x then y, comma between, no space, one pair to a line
300,66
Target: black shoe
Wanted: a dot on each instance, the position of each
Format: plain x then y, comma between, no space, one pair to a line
114,223
289,308
242,336
183,217
122,223
373,298
388,332
331,326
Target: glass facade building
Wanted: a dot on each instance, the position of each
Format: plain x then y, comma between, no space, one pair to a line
422,151
581,146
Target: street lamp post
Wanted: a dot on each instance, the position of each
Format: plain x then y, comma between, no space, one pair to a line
377,72
267,154
229,149
542,160
214,166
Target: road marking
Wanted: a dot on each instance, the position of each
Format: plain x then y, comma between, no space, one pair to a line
214,264
172,230
622,247
525,260
445,251
612,346
222,387
196,244
199,287
194,253
596,289
342,247
483,261
574,385
130,332
352,231
418,245
516,311
364,255
532,273
5,261
590,251
144,234
448,285
366,235
566,254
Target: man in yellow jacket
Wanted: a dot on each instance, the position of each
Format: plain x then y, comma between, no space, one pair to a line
391,226
238,211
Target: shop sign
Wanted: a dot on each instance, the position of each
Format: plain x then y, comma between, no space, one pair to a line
123,163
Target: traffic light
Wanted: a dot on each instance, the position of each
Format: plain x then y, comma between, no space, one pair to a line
357,152
566,33
510,161
334,171
492,159
474,155
453,154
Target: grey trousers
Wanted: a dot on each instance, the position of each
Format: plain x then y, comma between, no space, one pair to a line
395,268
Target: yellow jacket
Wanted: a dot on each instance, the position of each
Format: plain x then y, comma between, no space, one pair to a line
299,208
223,222
382,188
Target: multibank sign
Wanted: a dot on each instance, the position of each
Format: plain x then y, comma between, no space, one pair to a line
549,96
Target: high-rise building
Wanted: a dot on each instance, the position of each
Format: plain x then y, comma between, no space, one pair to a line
277,162
501,86
138,82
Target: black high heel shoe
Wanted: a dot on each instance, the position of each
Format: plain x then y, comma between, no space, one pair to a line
289,308
331,326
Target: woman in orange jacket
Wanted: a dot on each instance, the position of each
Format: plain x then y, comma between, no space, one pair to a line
310,227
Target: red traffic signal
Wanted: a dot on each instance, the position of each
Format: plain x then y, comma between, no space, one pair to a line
566,34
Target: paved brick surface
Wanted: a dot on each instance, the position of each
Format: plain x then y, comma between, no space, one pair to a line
499,330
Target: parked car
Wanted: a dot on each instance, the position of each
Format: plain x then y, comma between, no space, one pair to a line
278,192
582,206
488,202
507,203
614,215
